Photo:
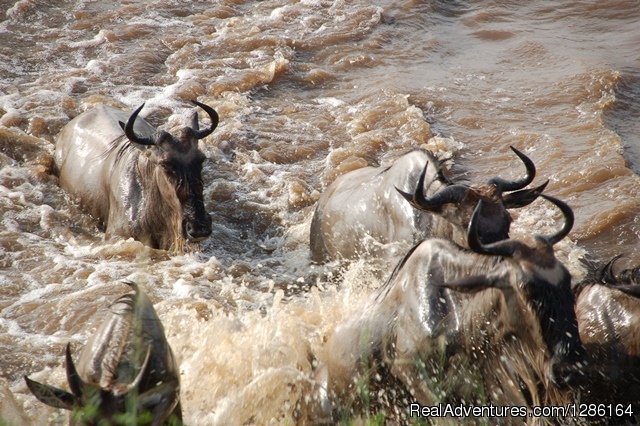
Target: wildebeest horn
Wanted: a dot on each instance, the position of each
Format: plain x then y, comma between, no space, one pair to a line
568,220
507,185
508,247
213,115
607,275
418,195
128,129
75,381
449,194
505,248
143,371
522,198
626,277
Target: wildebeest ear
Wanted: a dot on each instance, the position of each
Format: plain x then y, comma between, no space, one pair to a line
440,166
194,121
50,395
470,284
122,125
524,197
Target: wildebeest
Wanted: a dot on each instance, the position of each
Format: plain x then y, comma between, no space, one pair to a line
126,368
143,183
608,312
627,279
506,306
363,211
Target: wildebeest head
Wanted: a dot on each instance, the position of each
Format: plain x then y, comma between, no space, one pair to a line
456,202
92,404
126,371
626,280
543,284
181,161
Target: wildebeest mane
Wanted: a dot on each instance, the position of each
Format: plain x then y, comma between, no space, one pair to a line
442,173
119,145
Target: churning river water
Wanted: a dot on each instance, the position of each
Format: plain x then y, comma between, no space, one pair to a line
306,90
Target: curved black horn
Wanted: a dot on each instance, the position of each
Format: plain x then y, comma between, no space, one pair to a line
506,248
418,195
449,194
128,129
606,274
524,197
75,382
145,369
213,115
568,220
514,185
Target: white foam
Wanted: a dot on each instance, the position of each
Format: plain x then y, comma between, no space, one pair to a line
97,40
182,289
334,102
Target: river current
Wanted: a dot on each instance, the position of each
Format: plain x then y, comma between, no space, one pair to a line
306,90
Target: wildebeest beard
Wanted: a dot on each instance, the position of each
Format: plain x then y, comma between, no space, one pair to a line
553,305
550,304
166,222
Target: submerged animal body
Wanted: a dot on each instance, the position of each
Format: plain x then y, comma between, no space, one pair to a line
126,368
366,211
505,307
143,183
608,312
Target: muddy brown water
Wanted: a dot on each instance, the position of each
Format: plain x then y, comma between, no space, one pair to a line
306,90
